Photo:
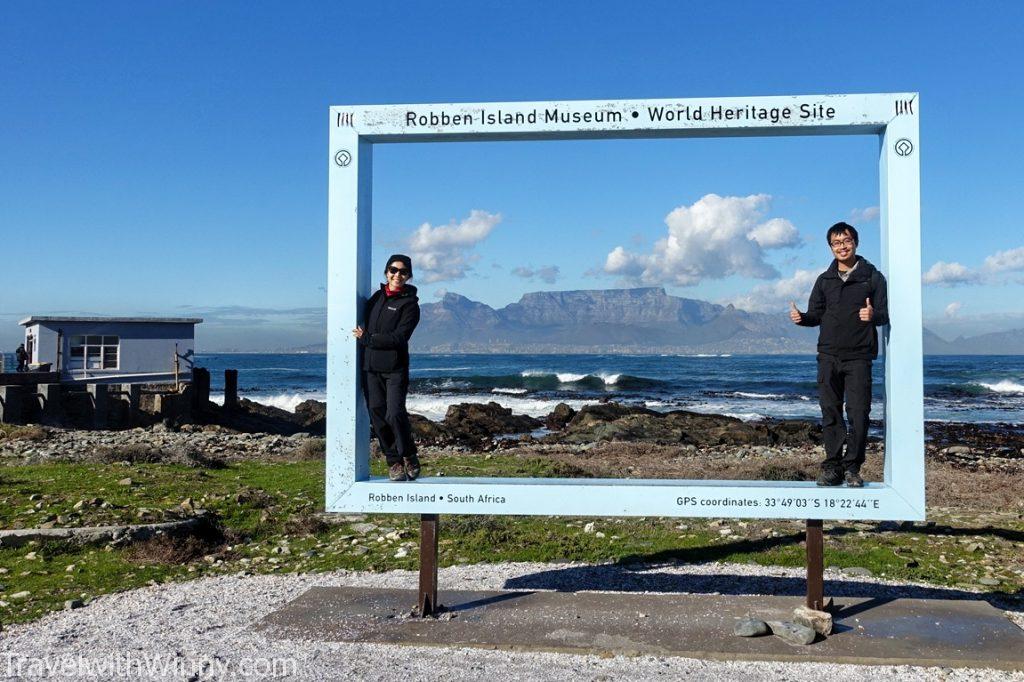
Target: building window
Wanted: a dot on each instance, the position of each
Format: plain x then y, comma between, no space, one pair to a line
94,352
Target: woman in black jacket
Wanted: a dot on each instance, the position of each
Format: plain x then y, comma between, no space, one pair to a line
392,314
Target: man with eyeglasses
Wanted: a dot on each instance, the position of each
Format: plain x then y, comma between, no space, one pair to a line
848,303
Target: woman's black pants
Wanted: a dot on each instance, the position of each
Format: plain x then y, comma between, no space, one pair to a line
385,400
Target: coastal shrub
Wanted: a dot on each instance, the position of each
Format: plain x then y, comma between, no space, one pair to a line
305,524
783,472
311,449
32,432
138,453
134,453
254,497
193,458
182,548
165,549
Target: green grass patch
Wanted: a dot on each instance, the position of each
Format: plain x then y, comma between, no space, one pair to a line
267,513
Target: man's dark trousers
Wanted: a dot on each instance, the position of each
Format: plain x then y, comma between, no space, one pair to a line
837,378
385,399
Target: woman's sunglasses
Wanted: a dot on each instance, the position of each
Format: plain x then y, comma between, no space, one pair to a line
398,271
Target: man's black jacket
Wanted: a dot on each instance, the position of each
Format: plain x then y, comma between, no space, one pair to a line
835,305
390,321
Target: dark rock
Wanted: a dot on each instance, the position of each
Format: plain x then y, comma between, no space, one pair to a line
792,633
559,417
313,415
475,424
792,432
615,422
426,432
750,627
604,412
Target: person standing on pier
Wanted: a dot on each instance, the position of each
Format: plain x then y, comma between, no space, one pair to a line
21,355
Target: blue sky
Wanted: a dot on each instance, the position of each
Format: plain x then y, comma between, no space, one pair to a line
158,158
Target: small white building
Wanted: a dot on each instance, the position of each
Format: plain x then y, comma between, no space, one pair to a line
112,349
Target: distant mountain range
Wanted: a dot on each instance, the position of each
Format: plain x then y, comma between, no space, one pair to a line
603,321
643,320
995,343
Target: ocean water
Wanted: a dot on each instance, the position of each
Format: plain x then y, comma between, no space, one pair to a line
978,389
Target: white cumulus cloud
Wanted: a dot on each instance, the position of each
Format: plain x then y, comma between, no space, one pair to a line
949,274
775,296
1005,261
548,273
867,214
445,252
714,238
775,234
953,309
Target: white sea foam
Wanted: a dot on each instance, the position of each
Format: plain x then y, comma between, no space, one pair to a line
511,391
271,369
452,384
1004,386
769,396
436,406
573,377
283,401
438,369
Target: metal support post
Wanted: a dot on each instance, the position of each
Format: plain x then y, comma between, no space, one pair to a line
428,605
815,565
230,389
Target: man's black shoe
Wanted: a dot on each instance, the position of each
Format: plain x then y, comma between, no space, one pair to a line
853,480
829,477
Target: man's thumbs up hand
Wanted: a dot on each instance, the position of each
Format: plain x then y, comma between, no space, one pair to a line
867,313
794,314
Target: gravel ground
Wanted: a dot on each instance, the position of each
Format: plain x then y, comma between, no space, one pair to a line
200,630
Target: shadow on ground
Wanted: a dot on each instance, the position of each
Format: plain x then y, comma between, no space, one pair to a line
639,573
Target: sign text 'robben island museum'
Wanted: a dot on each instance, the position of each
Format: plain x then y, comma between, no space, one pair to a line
892,118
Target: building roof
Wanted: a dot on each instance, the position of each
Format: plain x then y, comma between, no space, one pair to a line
139,320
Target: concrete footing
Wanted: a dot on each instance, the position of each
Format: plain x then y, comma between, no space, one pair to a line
12,399
925,632
50,403
99,397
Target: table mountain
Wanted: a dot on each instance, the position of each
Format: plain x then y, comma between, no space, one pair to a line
643,320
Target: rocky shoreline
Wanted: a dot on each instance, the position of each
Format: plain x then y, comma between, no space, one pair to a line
261,432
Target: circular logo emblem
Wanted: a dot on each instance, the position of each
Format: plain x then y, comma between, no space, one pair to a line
904,147
343,158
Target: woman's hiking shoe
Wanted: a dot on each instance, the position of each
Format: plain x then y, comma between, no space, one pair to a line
412,468
853,480
397,473
829,477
